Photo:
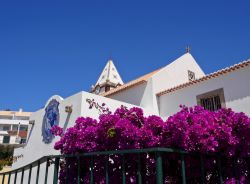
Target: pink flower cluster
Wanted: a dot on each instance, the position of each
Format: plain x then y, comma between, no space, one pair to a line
191,129
56,130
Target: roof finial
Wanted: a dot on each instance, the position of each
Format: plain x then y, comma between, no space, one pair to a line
188,49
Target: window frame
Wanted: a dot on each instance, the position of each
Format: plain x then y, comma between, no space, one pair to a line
211,94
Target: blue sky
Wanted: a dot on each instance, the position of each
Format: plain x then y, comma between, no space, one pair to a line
60,47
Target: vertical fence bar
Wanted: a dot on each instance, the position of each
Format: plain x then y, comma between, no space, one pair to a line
22,176
202,170
3,178
220,170
78,170
139,169
107,169
159,172
247,160
235,170
91,169
9,177
15,177
183,169
67,170
123,170
30,172
37,172
46,171
56,169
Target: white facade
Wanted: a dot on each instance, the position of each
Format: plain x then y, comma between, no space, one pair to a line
160,92
36,148
234,85
171,75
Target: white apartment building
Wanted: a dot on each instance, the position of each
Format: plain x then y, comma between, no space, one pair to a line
14,127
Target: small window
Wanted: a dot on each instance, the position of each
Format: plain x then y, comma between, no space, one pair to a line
213,100
6,127
6,139
191,75
107,88
23,128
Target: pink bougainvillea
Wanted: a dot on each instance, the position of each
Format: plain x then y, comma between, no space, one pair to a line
194,130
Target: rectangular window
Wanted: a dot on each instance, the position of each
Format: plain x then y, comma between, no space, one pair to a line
6,139
6,127
23,128
213,100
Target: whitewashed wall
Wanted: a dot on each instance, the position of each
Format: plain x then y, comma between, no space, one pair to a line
131,95
36,148
171,75
176,73
236,91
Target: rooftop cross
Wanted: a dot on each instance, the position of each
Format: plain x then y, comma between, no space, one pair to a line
188,49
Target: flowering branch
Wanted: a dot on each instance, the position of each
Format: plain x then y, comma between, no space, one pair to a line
101,108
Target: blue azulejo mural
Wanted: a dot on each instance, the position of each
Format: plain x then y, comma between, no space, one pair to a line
51,118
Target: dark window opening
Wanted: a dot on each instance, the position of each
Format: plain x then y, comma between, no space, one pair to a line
213,100
6,139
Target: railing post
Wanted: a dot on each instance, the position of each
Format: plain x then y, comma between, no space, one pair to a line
22,176
183,169
159,172
202,169
139,169
37,172
56,169
9,178
107,169
30,172
46,171
91,170
15,177
78,170
123,170
220,170
3,178
67,170
235,170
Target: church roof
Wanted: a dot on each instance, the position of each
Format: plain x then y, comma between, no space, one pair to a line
130,84
207,77
109,74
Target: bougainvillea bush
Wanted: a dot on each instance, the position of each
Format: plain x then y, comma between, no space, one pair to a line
195,130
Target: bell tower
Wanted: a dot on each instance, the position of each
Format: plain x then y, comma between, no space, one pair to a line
109,79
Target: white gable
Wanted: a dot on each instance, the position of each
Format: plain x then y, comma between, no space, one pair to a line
176,73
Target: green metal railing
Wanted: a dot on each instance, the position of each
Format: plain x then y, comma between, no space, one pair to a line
161,155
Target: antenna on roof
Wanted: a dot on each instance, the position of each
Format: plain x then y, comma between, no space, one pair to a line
188,49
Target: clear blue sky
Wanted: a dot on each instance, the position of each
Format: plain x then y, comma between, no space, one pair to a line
52,47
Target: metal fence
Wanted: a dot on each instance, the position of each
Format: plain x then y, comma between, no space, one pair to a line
184,167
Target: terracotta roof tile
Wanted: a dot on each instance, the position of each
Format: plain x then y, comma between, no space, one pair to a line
207,77
130,84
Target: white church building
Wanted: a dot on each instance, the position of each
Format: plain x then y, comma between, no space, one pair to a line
160,92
